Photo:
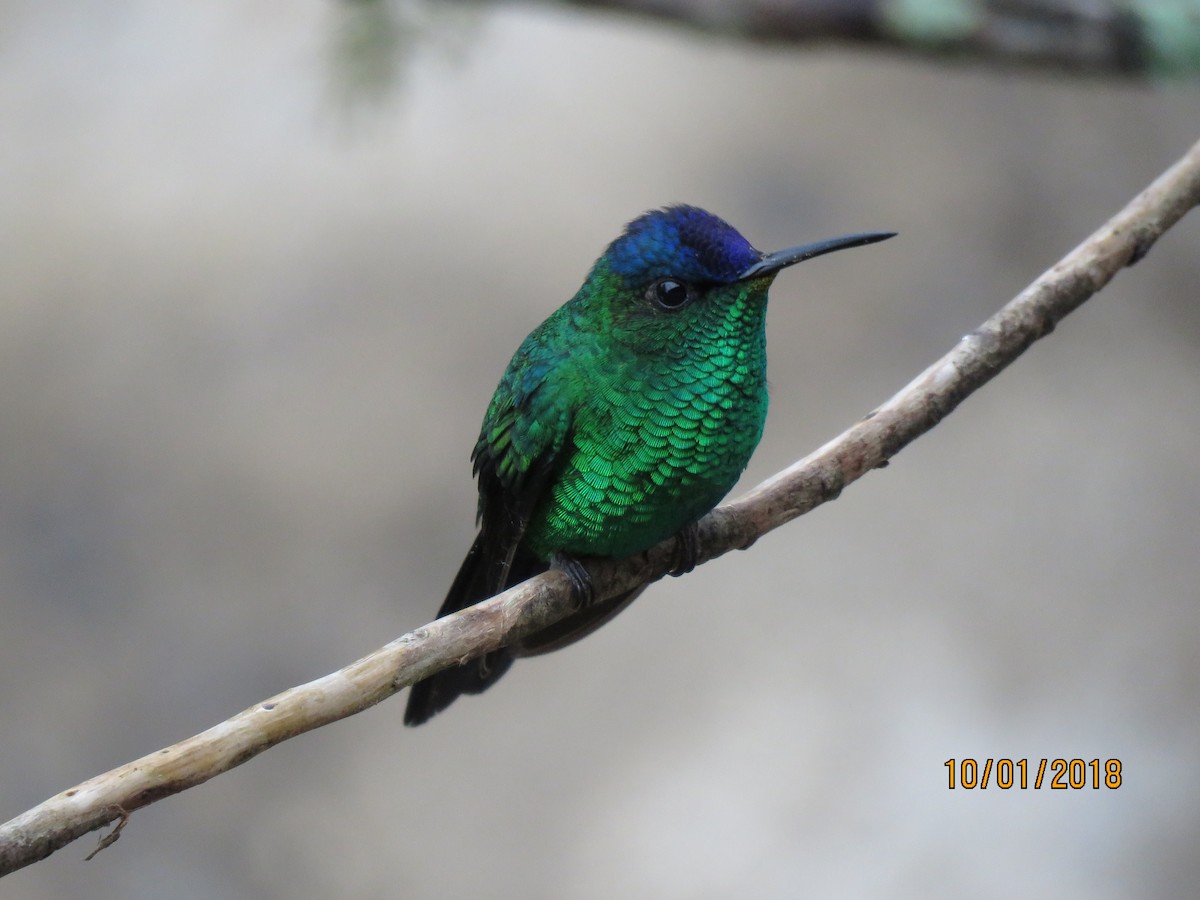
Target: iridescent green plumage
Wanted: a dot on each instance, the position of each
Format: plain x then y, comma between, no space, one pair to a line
623,418
649,421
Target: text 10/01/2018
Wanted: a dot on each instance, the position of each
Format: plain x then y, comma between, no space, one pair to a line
1064,774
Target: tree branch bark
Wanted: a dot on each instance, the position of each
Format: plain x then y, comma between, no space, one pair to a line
819,477
1112,37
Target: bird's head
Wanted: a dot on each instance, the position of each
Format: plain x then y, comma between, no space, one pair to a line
682,263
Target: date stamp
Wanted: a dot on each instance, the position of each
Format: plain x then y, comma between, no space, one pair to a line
1023,774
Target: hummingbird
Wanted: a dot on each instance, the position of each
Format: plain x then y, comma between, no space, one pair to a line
621,420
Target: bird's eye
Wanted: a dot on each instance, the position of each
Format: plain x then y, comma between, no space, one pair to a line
668,293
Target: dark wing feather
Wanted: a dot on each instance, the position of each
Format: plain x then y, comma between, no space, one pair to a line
514,462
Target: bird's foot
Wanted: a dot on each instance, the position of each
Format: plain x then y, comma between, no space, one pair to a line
582,590
687,549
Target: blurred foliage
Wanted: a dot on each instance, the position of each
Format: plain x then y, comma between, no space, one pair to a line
374,41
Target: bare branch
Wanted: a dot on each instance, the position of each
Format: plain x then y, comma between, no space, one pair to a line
1113,37
821,476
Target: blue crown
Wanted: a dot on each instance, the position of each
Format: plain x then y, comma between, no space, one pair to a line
682,241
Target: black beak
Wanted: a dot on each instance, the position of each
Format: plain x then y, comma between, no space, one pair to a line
781,259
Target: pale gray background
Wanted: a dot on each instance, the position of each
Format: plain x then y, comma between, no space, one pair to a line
247,336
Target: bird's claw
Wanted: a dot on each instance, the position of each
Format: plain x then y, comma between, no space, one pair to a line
582,590
687,549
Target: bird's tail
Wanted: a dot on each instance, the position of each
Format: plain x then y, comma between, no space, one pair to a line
429,697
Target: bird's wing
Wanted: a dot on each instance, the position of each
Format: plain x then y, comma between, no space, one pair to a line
524,432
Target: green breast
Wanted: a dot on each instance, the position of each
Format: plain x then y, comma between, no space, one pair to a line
657,440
